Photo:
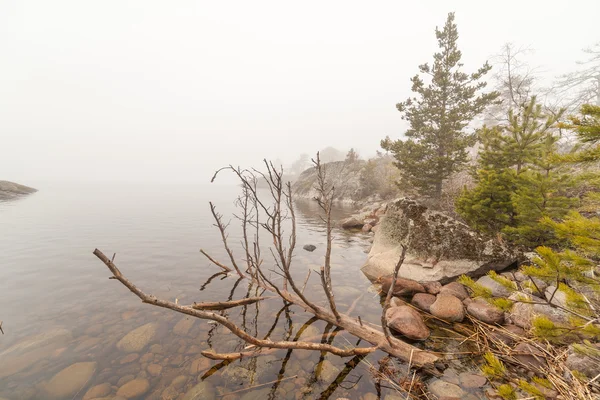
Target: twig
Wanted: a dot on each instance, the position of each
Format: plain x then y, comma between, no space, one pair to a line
218,264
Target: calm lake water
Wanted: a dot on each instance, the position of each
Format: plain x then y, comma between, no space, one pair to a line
59,309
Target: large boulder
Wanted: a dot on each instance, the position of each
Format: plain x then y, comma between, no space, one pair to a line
440,247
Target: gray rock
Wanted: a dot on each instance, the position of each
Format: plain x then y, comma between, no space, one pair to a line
558,296
529,355
433,234
448,307
423,301
588,364
441,388
486,312
497,289
310,247
471,381
408,322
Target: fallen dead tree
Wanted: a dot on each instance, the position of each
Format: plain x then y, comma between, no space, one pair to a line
258,216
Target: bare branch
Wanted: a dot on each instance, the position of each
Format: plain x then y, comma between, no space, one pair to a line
223,305
388,297
218,264
219,224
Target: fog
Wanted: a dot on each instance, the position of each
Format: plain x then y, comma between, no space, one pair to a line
167,91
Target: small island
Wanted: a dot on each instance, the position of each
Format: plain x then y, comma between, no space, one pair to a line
11,190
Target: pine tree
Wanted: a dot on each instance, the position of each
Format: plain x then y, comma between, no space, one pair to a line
438,115
517,177
540,194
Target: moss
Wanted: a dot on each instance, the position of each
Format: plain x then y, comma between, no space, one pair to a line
493,368
477,289
507,392
530,389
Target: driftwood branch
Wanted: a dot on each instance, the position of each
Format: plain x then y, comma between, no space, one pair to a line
223,305
218,264
388,297
259,216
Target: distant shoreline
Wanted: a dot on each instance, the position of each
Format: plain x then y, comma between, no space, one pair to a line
12,190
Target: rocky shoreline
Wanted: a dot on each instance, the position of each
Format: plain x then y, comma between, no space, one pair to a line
436,285
11,190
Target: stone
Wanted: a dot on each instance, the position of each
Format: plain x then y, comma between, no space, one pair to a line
485,312
329,371
367,228
448,308
558,297
203,390
136,340
129,358
587,364
134,388
97,391
462,250
497,289
154,369
124,379
521,314
408,322
456,289
352,223
200,364
441,388
70,380
472,381
529,355
184,325
31,350
309,247
179,381
403,287
423,301
507,334
432,287
375,228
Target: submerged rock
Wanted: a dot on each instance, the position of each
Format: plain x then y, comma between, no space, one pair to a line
32,349
309,247
69,381
441,248
448,307
97,391
134,388
136,340
408,322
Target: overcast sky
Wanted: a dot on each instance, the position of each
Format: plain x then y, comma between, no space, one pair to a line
160,91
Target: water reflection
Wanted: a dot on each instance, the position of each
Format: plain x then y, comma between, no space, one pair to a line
61,314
